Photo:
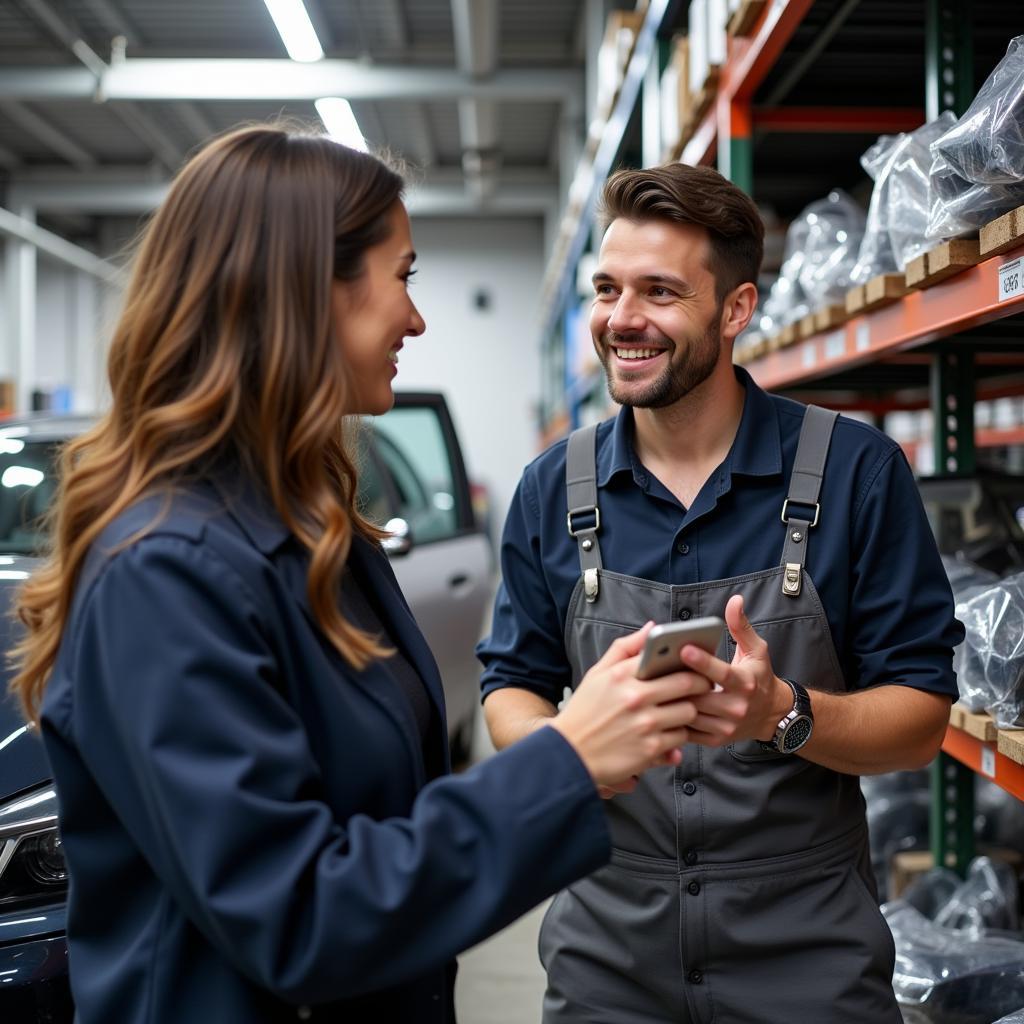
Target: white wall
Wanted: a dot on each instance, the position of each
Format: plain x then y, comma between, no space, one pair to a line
486,362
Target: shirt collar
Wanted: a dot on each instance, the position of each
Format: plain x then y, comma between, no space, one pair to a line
756,450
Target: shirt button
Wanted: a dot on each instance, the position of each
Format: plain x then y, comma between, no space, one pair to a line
690,856
693,888
689,788
685,614
683,548
695,977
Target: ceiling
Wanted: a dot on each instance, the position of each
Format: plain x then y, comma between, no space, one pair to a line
98,105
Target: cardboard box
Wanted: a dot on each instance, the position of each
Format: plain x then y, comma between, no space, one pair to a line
613,58
675,96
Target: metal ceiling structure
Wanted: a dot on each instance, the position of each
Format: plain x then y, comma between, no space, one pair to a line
102,100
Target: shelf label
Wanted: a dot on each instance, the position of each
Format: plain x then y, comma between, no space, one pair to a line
863,337
988,762
1011,280
835,344
810,354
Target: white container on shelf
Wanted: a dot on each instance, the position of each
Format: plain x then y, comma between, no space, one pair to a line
718,22
698,36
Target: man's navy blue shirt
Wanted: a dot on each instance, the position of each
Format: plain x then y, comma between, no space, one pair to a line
872,558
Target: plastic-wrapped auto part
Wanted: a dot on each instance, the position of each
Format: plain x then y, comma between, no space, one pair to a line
978,165
898,215
821,249
930,892
991,671
964,575
986,899
898,808
835,228
1017,1017
944,976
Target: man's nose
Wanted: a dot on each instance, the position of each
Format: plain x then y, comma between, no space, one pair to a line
627,315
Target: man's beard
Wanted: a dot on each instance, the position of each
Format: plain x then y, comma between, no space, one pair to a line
684,372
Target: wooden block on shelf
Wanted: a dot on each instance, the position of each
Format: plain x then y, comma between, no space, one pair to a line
943,261
884,290
805,326
855,299
1003,234
745,17
917,271
956,716
773,342
979,724
830,316
1010,742
906,866
787,336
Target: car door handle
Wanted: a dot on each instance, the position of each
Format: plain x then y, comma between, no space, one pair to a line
461,583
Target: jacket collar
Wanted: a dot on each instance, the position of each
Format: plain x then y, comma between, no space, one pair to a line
249,505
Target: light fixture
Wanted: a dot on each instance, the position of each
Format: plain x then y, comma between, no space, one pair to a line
296,30
21,476
340,122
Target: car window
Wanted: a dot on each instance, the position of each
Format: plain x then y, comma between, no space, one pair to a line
28,482
411,444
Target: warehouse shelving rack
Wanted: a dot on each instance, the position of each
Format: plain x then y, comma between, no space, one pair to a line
942,347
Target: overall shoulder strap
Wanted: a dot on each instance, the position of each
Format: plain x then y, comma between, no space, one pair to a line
584,517
801,511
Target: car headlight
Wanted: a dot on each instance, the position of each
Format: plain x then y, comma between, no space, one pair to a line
32,867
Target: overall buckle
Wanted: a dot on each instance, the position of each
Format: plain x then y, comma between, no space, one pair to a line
579,512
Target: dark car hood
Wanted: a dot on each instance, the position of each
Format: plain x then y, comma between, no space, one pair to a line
22,760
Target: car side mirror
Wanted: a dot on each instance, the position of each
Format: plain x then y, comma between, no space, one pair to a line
400,542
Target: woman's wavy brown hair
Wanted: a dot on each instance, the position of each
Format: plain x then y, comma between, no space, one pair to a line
225,354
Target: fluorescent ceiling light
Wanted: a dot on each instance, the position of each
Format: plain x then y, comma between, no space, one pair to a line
340,122
21,476
296,30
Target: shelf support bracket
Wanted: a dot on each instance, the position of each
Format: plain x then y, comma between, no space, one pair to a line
952,783
949,57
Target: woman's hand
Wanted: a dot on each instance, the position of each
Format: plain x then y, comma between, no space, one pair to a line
620,725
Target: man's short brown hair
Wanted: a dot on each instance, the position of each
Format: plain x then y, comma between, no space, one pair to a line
694,195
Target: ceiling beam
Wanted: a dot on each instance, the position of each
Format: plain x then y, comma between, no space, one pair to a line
113,20
476,24
439,195
42,131
58,248
256,80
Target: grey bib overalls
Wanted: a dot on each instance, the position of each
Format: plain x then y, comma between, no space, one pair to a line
740,889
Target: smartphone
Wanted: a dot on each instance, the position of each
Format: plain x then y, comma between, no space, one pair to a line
663,644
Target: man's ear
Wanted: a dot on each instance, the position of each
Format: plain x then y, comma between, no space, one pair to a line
738,309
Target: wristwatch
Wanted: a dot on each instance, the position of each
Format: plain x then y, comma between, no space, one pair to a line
795,729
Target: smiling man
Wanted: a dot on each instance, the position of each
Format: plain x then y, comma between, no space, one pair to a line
740,887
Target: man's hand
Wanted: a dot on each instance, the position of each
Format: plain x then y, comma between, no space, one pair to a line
749,700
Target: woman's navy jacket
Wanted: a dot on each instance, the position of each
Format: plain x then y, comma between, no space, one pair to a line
251,833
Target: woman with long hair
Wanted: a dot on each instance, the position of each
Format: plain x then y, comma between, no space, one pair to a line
245,726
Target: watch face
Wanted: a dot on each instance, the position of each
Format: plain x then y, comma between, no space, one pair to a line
798,733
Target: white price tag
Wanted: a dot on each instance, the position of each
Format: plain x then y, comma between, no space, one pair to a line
863,337
835,345
810,354
988,762
1011,280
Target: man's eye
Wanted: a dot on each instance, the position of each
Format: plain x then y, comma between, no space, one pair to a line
603,289
659,293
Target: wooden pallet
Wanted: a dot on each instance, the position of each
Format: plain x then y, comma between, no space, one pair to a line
745,17
1010,743
805,326
855,300
943,261
1003,234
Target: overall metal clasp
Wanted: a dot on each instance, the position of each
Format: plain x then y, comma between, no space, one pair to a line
590,585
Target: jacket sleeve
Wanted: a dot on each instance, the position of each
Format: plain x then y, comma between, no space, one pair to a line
178,714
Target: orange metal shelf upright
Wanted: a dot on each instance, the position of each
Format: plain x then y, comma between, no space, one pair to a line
966,300
749,61
985,759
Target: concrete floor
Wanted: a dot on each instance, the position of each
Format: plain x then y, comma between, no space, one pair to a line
501,980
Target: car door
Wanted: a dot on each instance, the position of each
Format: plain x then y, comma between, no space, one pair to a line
441,556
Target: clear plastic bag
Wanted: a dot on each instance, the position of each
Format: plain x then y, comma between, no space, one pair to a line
821,249
977,171
1017,1017
900,202
964,575
932,891
944,976
986,899
991,666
